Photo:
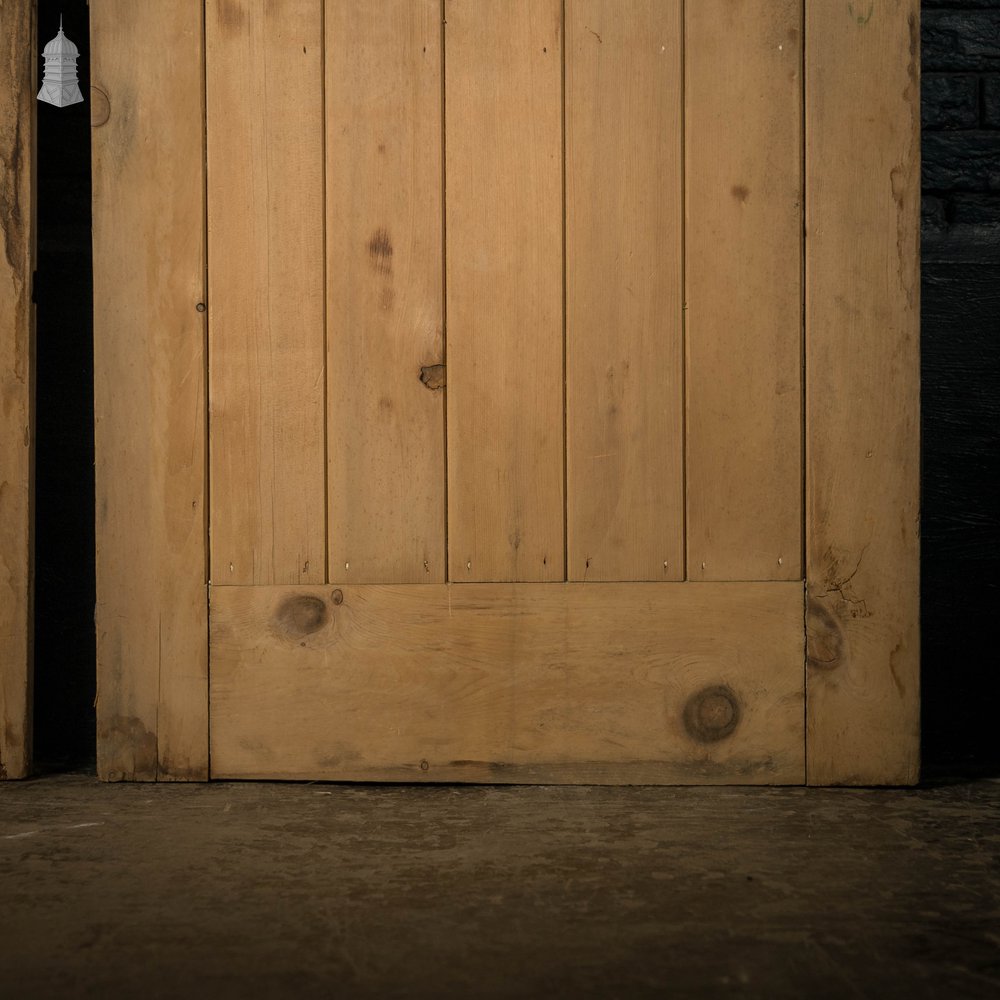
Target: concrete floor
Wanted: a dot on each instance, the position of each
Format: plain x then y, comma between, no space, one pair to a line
268,890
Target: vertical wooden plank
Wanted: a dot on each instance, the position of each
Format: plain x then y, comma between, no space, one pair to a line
624,392
384,288
863,381
17,319
149,270
266,294
743,276
503,150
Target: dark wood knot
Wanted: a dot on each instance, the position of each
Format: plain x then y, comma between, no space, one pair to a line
301,614
712,713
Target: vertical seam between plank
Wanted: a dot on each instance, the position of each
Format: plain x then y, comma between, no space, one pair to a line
804,548
565,370
206,479
444,275
159,696
205,292
326,302
802,295
682,45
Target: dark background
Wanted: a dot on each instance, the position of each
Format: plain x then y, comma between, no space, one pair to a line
960,368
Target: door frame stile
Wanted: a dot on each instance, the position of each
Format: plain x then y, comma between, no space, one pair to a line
862,365
19,73
150,401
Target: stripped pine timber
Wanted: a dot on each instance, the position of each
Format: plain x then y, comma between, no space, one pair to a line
624,393
149,270
503,150
863,378
17,323
743,141
384,291
617,683
266,295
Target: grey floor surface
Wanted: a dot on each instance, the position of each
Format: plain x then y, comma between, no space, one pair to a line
269,890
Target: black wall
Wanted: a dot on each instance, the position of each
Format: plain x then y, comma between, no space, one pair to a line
960,367
64,478
961,364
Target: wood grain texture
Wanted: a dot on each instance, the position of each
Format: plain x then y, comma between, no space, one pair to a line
17,323
384,288
743,142
863,381
622,683
503,149
624,392
266,291
149,268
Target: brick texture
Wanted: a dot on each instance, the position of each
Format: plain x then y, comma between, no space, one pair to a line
960,115
960,372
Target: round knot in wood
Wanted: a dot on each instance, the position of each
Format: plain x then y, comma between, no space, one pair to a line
301,614
712,714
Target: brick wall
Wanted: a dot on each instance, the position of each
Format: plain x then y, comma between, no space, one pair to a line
961,112
960,345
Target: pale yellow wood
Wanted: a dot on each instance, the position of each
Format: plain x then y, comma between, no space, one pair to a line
629,683
863,379
624,392
743,141
596,681
384,288
149,268
503,150
17,319
266,297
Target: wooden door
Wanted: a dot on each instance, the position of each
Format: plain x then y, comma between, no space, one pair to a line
18,86
543,432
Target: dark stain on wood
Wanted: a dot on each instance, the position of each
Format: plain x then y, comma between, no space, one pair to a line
18,107
433,376
824,637
741,193
171,770
337,597
339,757
712,714
12,219
300,615
380,251
128,750
232,15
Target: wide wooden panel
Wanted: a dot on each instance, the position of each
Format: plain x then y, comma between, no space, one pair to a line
503,113
863,377
384,287
17,317
743,136
624,393
266,299
626,683
149,272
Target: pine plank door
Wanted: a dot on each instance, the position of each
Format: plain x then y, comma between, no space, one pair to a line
543,432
